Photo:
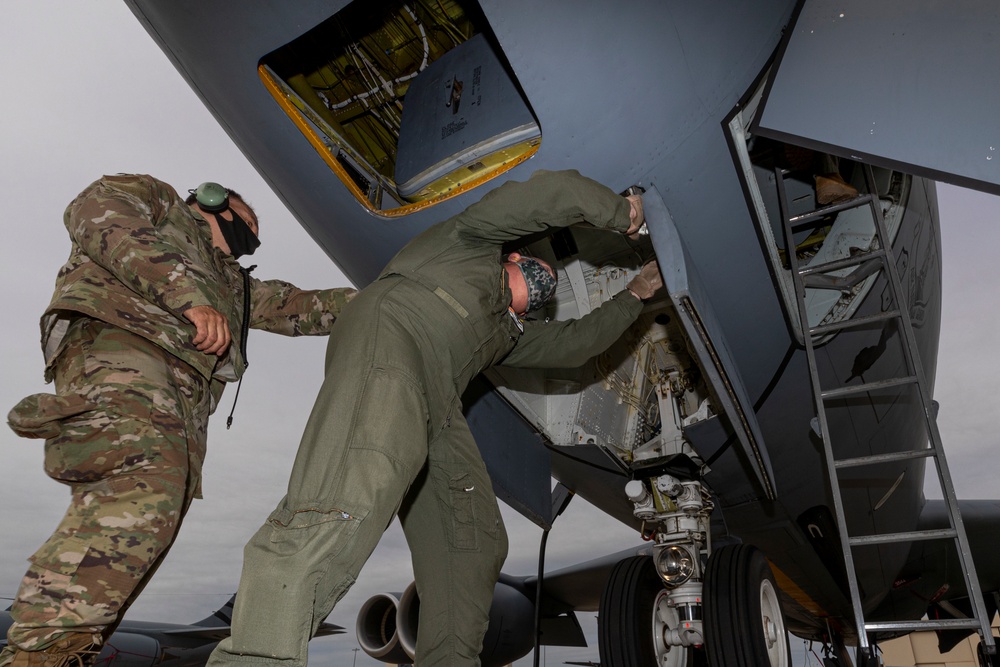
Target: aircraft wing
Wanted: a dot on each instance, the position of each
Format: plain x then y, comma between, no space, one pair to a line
210,634
932,561
578,587
145,643
923,80
175,631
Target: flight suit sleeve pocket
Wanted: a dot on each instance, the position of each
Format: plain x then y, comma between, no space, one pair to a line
463,514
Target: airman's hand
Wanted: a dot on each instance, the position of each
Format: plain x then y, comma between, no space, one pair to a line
647,282
212,335
636,216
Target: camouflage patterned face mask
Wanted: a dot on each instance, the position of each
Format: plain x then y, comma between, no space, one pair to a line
541,284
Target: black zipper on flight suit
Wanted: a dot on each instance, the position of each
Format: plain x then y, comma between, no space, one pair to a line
244,333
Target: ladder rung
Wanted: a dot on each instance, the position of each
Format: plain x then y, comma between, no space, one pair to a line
852,322
845,263
885,458
910,536
868,386
917,626
846,283
803,218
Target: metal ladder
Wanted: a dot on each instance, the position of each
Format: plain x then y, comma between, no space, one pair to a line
807,277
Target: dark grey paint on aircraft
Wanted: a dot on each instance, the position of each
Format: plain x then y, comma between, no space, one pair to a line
923,80
656,120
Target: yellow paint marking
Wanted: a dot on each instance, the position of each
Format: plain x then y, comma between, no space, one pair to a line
792,590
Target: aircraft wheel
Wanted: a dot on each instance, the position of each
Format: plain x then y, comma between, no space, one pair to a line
744,624
633,614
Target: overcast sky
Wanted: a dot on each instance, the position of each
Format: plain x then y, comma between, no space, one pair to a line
86,92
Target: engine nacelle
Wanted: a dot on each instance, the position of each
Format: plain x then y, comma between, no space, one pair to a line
387,626
378,634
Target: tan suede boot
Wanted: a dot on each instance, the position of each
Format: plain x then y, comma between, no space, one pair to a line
76,650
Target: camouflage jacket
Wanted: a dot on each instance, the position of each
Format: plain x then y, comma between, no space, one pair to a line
140,257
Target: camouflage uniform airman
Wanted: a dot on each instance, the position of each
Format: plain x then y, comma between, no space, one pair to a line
126,428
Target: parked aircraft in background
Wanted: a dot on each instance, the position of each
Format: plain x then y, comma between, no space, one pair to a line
374,119
151,644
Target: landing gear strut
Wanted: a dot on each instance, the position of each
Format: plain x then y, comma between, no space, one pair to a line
686,604
651,608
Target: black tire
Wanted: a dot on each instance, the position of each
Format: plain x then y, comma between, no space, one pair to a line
744,625
627,619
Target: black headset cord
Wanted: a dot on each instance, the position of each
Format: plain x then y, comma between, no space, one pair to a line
244,334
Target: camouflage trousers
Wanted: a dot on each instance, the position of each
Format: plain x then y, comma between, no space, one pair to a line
126,431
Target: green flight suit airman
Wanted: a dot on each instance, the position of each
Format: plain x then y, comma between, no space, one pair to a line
387,434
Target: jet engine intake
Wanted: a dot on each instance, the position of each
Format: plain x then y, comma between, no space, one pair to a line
377,629
387,626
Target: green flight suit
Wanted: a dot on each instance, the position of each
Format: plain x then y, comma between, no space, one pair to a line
387,434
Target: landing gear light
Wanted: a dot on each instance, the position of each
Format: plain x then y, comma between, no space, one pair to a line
675,565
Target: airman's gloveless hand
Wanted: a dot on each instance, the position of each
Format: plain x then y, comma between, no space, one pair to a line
636,216
212,335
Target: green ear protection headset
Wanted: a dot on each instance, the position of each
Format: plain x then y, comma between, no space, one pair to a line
211,197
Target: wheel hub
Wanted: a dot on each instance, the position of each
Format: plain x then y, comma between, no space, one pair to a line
770,635
772,623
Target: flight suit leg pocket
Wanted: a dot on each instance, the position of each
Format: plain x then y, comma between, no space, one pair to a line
461,498
322,528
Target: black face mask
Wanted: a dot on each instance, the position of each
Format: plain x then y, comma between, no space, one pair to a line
239,237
